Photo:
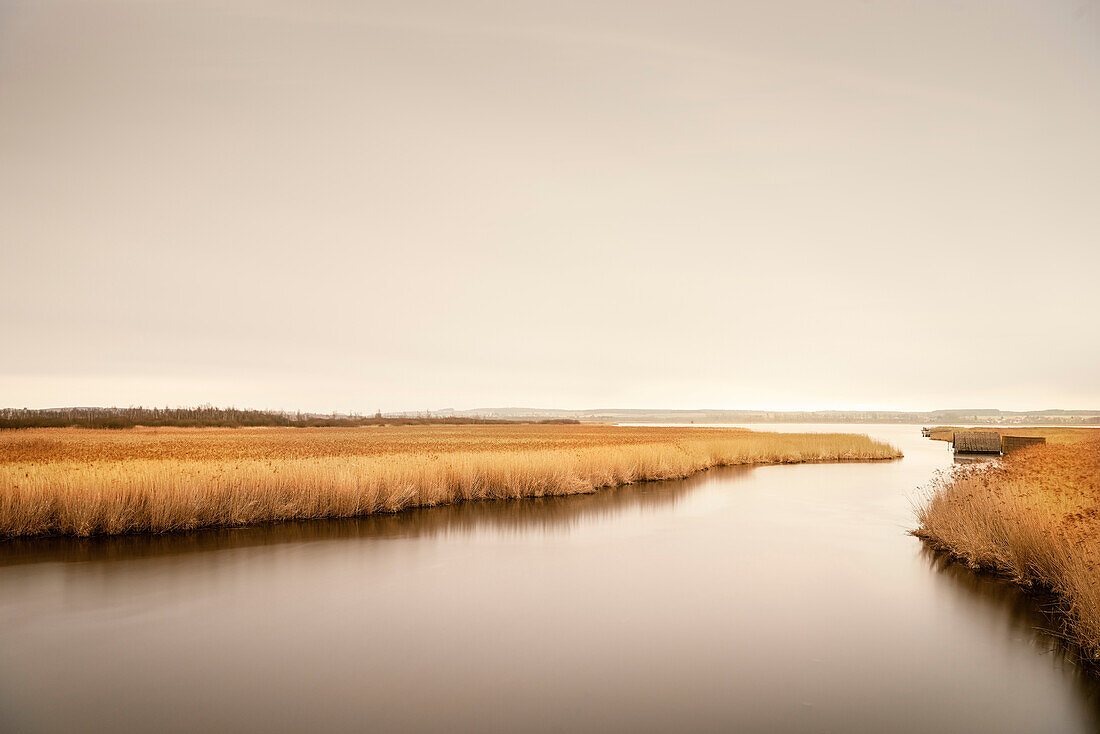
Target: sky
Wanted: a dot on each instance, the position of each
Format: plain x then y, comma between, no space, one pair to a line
349,205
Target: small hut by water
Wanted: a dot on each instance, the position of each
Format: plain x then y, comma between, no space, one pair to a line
977,442
1015,443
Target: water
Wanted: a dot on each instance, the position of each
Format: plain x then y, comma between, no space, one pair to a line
782,599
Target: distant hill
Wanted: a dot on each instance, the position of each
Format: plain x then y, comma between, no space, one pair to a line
208,416
991,416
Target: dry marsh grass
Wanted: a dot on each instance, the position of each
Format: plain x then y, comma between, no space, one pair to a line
1053,434
88,482
1035,516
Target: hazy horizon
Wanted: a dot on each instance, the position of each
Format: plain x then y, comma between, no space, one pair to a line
419,205
534,409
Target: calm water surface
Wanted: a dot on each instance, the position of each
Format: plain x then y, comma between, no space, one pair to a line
785,599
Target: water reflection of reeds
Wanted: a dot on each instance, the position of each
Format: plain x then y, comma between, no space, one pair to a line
1033,614
967,459
507,517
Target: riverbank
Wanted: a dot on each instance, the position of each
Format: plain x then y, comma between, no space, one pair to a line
1051,434
1035,517
88,482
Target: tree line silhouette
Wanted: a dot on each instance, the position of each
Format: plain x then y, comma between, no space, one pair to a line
209,417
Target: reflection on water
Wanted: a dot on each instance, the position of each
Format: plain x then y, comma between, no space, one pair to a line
780,599
535,515
975,458
1029,615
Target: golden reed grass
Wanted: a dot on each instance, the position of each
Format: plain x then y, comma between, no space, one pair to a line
1034,516
86,482
1053,434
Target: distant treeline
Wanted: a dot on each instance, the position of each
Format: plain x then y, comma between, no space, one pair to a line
209,417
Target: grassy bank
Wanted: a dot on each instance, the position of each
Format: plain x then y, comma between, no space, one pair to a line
1035,516
1052,434
86,482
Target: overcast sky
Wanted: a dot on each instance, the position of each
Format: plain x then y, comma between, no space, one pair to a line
405,205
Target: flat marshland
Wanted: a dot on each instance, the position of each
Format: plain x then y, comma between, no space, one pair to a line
1052,434
1034,516
87,482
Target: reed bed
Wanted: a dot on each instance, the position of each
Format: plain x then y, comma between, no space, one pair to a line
88,482
1052,434
1034,516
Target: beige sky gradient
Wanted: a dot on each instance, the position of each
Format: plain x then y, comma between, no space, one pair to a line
407,205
